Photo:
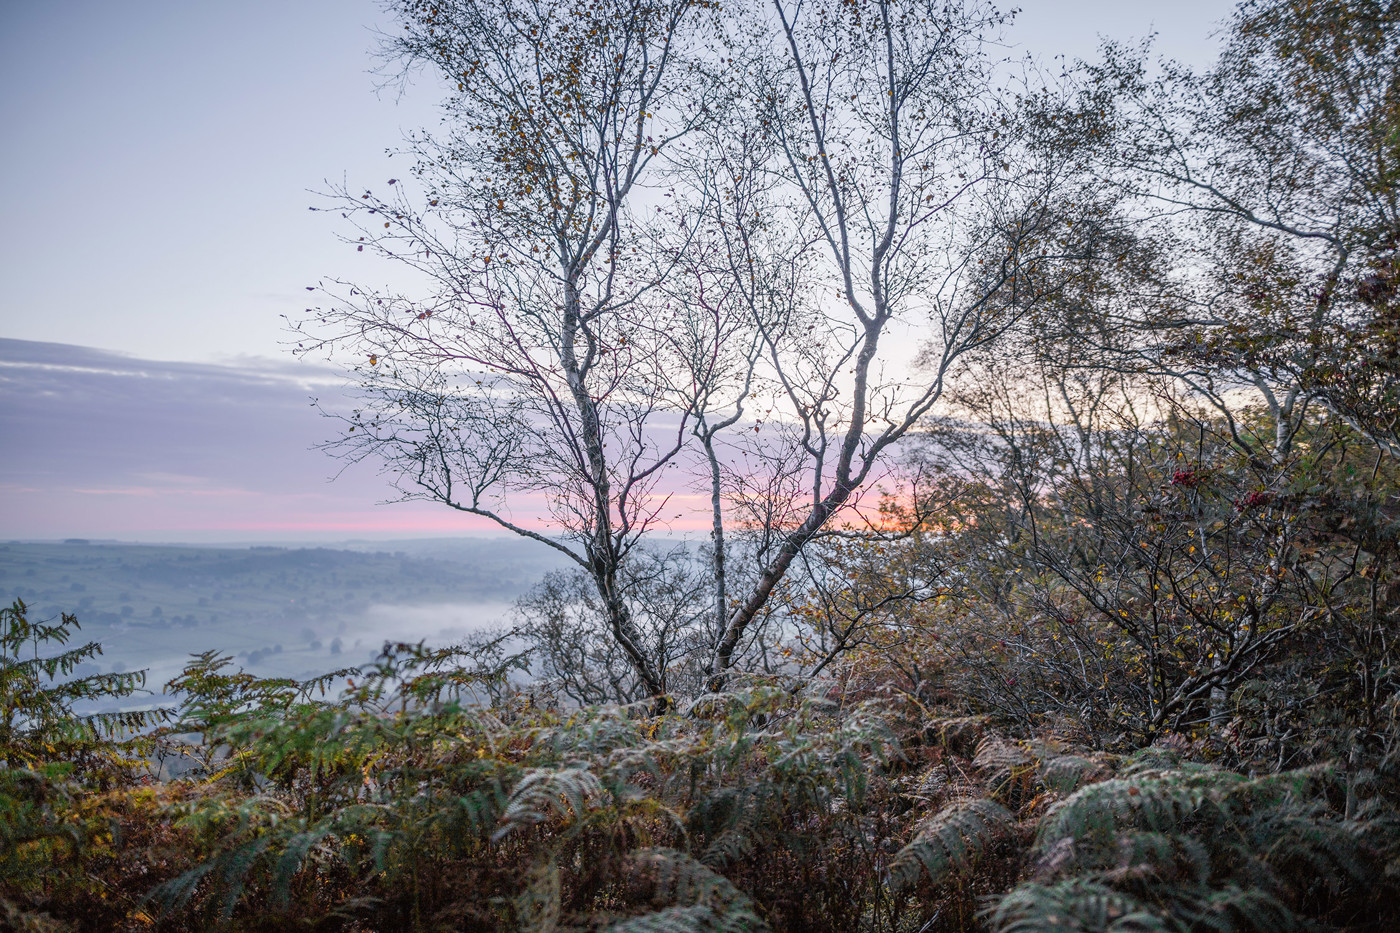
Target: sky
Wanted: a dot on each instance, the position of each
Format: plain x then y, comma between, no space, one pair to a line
109,446
159,161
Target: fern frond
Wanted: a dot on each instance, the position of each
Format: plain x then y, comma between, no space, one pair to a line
694,919
1098,813
730,818
226,875
1010,770
1078,905
1162,857
1159,758
1068,773
1243,910
996,754
233,869
950,842
730,846
538,907
479,808
960,735
1377,827
546,792
704,900
294,853
179,891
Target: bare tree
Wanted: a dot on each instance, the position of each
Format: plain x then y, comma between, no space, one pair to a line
667,595
646,227
540,363
894,151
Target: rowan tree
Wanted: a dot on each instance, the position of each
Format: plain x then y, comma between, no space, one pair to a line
1279,167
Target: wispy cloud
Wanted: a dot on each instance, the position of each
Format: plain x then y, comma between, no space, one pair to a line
103,444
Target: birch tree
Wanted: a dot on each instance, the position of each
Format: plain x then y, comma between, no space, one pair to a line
924,211
653,226
535,362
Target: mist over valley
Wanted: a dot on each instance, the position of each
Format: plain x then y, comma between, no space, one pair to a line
277,611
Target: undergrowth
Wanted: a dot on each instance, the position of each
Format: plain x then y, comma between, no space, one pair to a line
384,799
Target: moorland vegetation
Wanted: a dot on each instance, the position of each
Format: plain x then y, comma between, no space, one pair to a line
1088,622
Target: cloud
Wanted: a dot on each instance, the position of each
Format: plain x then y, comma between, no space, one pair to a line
100,443
84,416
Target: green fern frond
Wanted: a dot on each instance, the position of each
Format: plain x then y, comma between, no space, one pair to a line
233,868
1159,758
289,862
694,919
180,890
1162,858
1301,844
1243,910
538,907
950,842
730,846
1098,813
683,879
590,734
225,876
1213,849
1068,773
479,809
1078,905
1377,827
1150,759
730,818
865,733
